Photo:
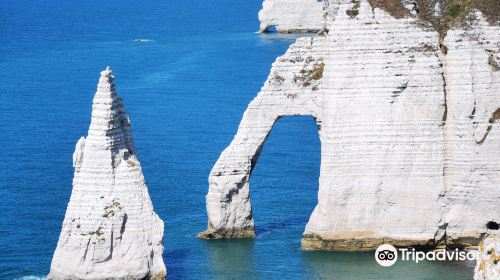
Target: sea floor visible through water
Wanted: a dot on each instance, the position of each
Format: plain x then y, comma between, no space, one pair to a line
186,72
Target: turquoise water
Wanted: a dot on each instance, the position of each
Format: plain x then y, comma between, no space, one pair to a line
185,86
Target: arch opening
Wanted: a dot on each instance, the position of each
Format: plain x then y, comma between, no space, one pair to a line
284,178
270,29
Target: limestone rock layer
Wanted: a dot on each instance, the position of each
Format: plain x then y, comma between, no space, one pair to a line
409,132
110,230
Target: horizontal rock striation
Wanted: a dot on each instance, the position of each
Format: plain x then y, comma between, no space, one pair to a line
407,121
110,230
488,264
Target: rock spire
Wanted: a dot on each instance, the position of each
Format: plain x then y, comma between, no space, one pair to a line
110,230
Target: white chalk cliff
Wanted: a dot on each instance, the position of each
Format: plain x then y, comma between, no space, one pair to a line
488,264
110,230
291,15
408,123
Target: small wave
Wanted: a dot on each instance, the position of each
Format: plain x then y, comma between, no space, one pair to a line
143,40
31,277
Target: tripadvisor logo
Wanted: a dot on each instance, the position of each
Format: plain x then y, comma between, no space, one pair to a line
387,255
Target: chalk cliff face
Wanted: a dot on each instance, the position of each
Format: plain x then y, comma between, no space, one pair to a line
488,265
110,230
292,15
408,123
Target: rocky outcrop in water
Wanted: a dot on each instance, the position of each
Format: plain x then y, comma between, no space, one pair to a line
488,265
110,230
291,16
407,117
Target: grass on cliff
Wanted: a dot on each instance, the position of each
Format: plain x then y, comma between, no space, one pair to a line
453,12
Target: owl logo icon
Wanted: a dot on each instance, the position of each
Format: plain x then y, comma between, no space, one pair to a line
386,255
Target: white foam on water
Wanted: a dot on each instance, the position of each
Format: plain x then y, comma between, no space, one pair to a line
31,277
143,40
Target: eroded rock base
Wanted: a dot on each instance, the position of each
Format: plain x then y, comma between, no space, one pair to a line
360,241
212,233
157,276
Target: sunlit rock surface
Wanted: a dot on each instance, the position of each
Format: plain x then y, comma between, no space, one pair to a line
408,124
291,15
110,230
488,265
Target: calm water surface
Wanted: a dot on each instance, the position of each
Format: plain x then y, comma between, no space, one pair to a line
186,70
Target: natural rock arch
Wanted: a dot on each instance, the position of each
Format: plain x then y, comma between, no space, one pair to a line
229,195
228,200
400,118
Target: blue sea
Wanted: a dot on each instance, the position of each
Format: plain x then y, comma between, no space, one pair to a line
186,71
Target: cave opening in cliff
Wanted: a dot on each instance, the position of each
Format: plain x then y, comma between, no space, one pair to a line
271,29
492,225
284,182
